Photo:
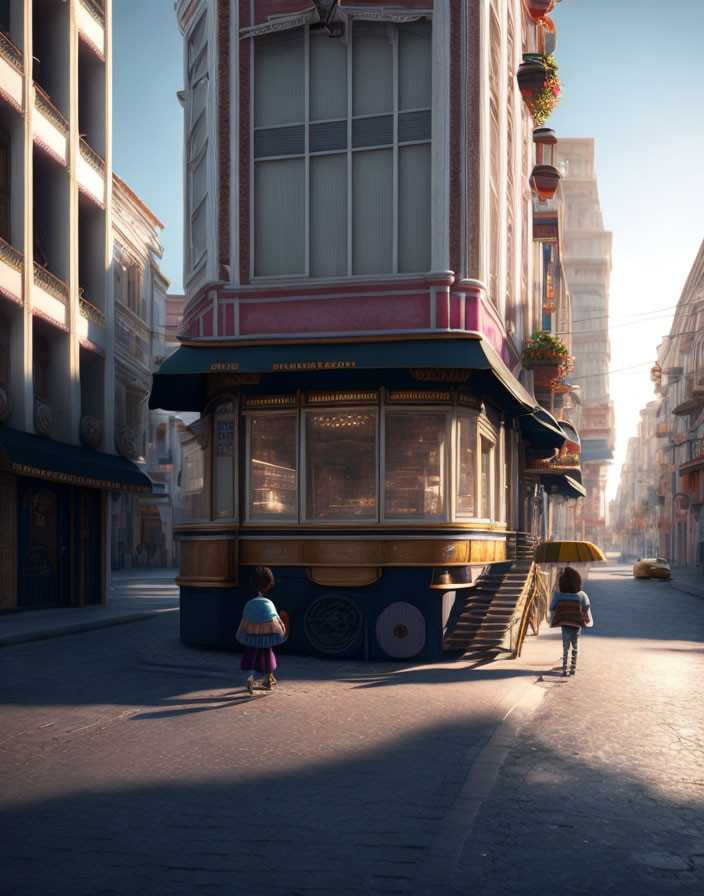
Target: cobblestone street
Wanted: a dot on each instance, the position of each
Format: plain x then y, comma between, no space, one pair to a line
133,764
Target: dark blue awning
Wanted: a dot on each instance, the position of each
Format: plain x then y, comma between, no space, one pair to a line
28,454
180,383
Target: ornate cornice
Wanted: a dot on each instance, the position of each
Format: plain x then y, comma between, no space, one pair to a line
50,283
44,104
11,53
92,157
11,256
90,312
96,10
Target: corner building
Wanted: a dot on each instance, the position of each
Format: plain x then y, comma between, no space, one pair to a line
359,281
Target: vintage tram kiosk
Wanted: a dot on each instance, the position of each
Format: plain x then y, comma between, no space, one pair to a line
376,479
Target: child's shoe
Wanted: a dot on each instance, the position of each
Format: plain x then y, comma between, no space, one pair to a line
250,685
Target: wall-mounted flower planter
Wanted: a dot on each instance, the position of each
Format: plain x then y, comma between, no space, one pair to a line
547,375
532,75
539,85
545,180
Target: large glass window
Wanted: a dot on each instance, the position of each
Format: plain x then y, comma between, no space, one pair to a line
196,140
415,464
486,477
342,178
466,495
193,492
224,460
273,474
341,457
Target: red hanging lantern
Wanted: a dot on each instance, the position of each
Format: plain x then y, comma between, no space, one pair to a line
545,177
538,9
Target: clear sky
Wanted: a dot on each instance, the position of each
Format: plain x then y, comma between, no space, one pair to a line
632,81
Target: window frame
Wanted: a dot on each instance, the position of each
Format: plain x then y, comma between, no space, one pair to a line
446,474
303,479
278,519
348,151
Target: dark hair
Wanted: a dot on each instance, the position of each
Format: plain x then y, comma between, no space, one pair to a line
570,581
262,579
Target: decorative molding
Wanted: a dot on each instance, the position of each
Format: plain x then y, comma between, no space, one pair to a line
96,10
11,256
126,442
50,283
92,157
6,402
44,104
43,417
11,53
440,374
217,381
91,432
91,313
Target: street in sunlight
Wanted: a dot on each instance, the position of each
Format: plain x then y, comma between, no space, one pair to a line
134,764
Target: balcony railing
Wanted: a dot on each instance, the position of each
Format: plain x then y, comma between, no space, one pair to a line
55,287
92,157
11,53
11,256
45,105
90,312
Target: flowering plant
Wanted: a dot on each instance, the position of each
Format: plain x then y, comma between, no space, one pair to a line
542,99
546,348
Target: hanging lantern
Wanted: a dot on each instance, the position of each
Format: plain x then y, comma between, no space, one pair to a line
545,177
545,146
538,9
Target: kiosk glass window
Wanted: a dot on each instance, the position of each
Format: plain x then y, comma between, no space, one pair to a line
466,495
224,460
415,466
273,469
486,458
193,491
340,465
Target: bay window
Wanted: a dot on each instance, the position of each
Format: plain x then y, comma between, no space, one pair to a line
341,148
369,463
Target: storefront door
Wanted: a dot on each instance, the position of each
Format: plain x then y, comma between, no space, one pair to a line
44,565
88,522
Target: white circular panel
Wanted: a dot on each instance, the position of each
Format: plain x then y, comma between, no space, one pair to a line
400,630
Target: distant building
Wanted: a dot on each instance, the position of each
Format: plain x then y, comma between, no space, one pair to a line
587,260
679,379
142,525
58,455
634,518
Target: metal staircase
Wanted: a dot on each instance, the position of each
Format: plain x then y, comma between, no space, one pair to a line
479,623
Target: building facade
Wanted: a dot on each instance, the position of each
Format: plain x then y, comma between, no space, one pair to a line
679,380
58,457
361,279
587,259
635,512
142,525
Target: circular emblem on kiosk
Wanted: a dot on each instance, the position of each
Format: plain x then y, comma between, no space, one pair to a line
400,630
333,623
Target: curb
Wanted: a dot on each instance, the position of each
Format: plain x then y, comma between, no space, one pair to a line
443,855
77,627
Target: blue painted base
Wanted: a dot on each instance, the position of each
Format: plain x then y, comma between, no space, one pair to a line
325,621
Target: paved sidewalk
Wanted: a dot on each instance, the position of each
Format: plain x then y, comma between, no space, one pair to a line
135,594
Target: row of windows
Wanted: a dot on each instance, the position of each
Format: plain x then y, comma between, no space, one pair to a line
350,464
